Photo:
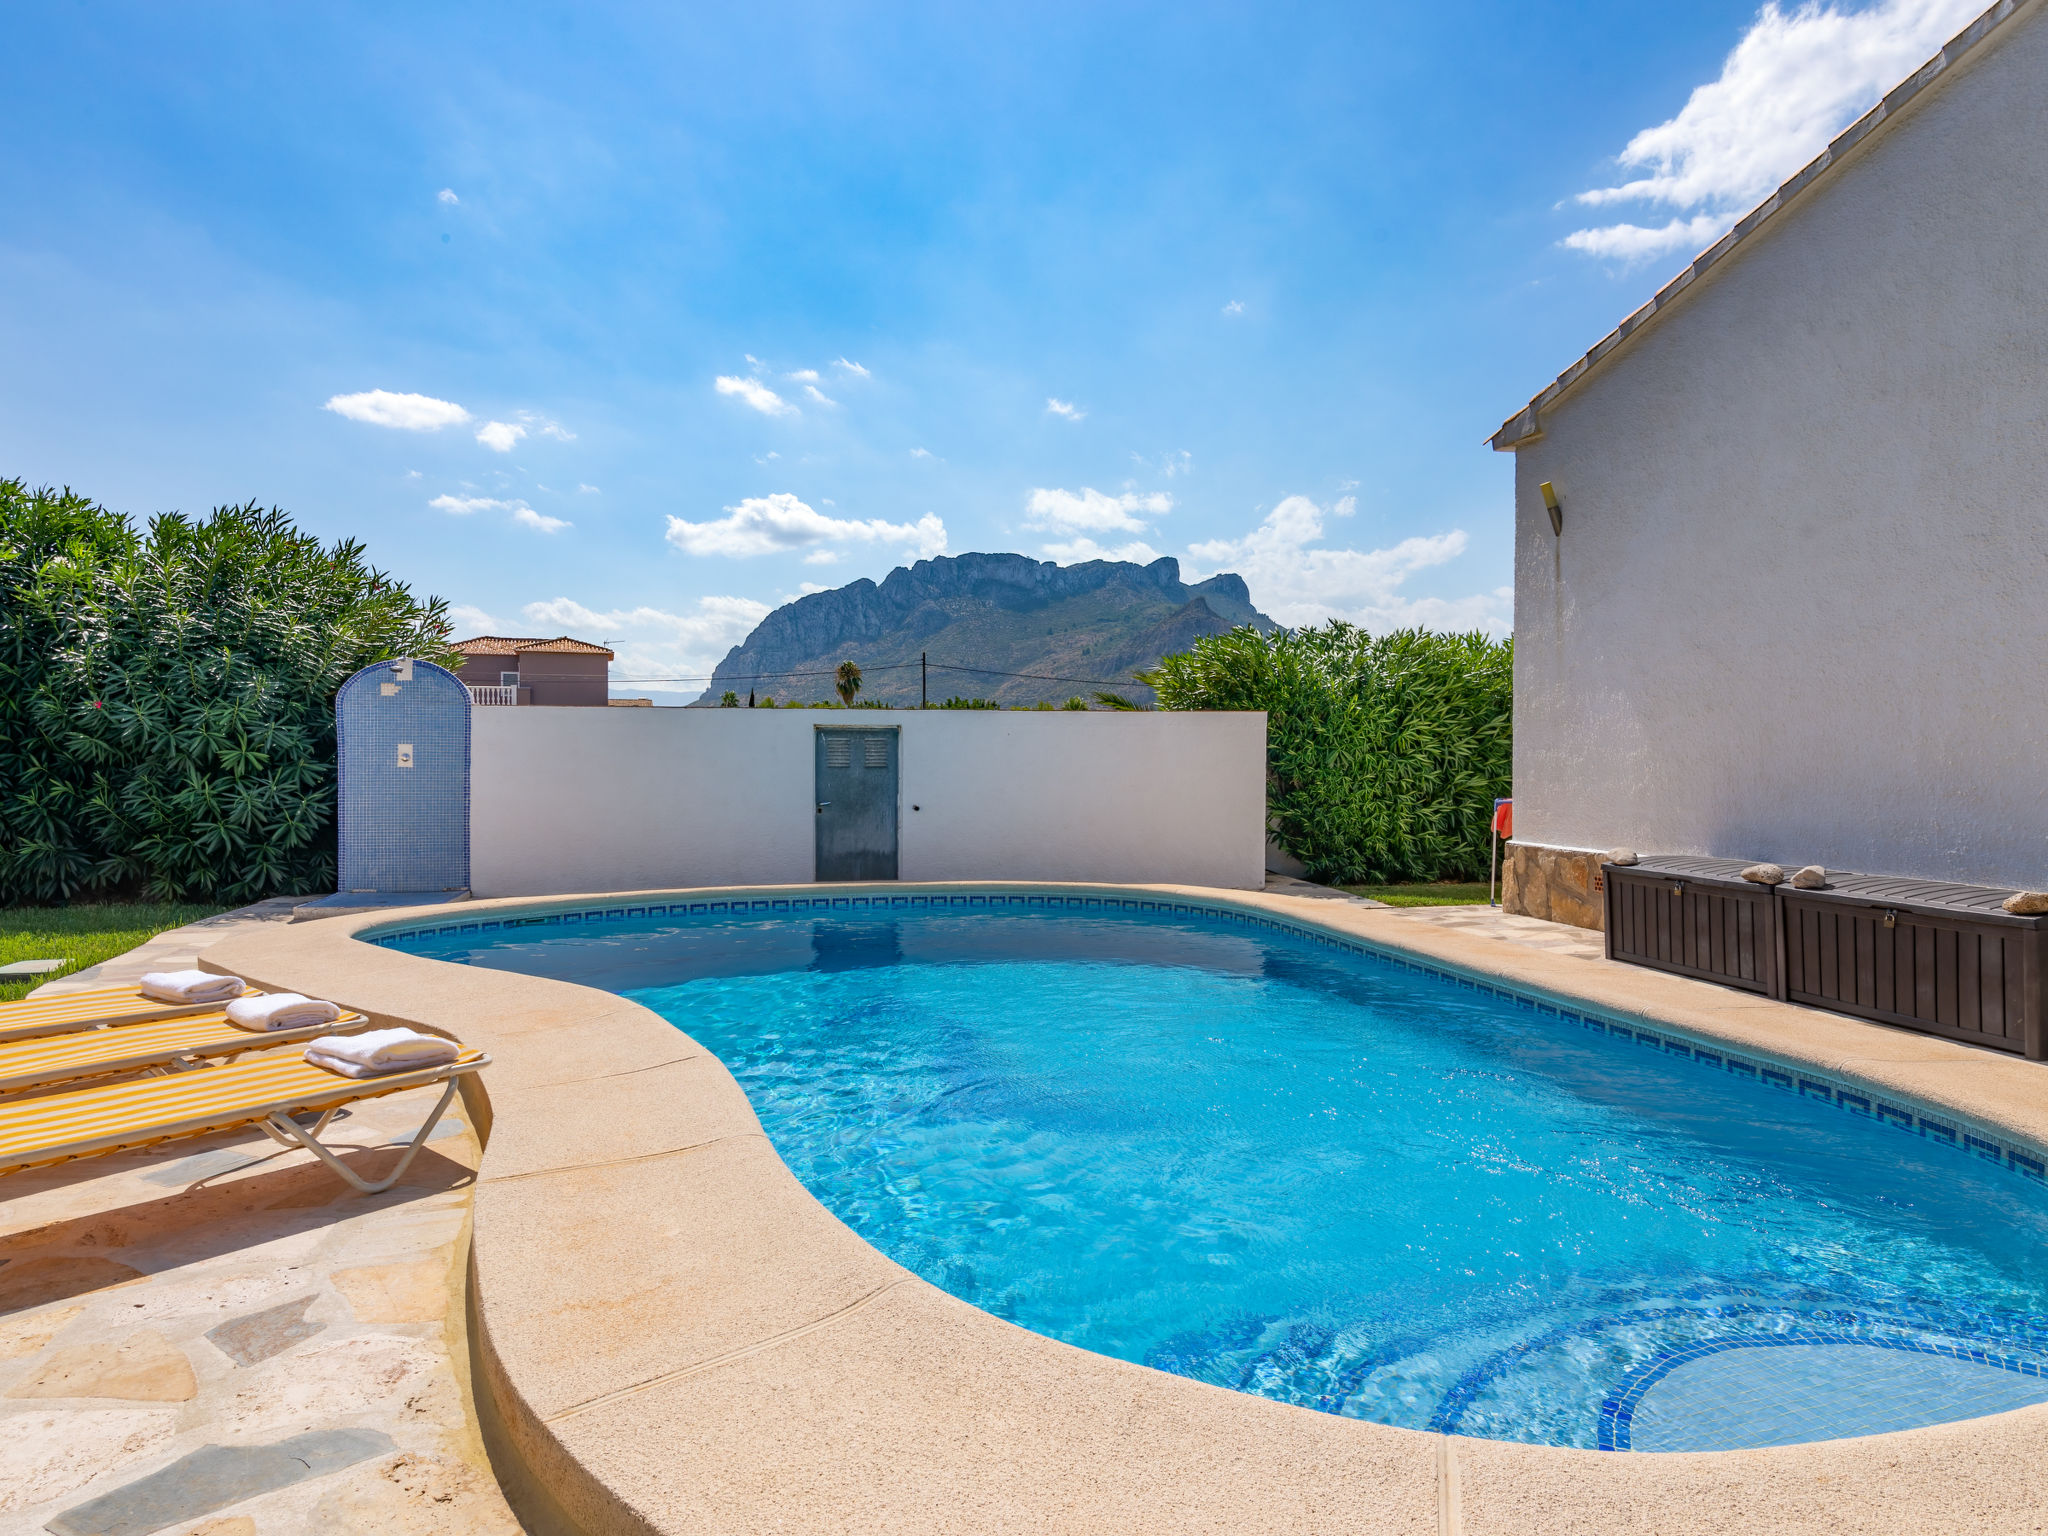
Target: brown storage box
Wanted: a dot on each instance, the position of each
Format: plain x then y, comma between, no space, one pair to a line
1944,959
1697,917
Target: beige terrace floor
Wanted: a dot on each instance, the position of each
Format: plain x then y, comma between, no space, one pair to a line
722,1355
222,1292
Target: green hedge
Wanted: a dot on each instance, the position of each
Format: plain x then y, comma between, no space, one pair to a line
167,697
1384,753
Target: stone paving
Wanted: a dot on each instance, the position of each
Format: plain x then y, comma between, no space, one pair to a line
174,949
1477,921
1510,928
220,1338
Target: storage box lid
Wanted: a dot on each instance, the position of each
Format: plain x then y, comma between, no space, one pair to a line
1934,898
1710,872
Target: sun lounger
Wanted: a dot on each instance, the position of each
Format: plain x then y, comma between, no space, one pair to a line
270,1090
34,1016
165,1044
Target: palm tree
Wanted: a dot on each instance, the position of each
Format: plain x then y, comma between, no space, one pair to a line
847,680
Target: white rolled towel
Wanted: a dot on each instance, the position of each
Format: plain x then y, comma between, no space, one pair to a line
280,1010
191,986
379,1051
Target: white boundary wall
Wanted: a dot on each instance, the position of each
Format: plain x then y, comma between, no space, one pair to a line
638,799
1798,609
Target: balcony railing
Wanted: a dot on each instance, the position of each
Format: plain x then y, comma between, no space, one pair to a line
485,694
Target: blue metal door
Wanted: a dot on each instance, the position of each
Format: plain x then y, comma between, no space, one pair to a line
402,735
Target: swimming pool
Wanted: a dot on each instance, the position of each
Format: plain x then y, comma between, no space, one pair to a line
1231,1151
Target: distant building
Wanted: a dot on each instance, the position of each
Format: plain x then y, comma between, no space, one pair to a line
1790,607
504,670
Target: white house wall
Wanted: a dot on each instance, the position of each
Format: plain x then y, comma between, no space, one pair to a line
634,799
1799,610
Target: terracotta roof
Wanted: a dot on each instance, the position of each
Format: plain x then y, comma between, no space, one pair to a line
506,645
1527,424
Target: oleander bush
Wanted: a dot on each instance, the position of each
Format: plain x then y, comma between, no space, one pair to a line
167,697
1384,753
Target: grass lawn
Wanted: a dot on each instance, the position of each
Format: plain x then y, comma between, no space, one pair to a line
1448,894
84,934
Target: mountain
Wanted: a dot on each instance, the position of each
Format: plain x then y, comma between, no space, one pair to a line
1086,625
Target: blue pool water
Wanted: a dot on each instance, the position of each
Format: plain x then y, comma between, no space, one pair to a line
1301,1172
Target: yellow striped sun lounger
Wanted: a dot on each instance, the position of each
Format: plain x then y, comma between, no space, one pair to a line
166,1045
34,1016
271,1090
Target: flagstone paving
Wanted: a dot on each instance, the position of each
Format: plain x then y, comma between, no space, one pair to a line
221,1339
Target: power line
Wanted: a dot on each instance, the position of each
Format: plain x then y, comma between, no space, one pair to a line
937,666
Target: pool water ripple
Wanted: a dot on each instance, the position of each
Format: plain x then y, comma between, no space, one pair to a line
1330,1181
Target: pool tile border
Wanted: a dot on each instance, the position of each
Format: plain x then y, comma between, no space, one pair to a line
1617,1412
1898,1112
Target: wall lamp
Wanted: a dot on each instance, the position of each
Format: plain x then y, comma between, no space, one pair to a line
1554,507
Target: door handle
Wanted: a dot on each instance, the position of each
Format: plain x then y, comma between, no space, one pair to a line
821,806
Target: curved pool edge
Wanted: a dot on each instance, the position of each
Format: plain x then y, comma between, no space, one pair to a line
674,1335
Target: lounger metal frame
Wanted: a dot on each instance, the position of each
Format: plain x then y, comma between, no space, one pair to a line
288,1132
273,1118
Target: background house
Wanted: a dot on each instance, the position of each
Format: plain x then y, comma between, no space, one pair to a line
1796,608
503,670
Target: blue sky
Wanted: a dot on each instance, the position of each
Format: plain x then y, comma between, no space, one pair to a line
633,321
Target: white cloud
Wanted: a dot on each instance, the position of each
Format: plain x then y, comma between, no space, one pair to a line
525,516
920,453
1234,307
653,643
756,394
803,375
447,195
766,525
822,557
464,617
1179,462
501,436
1300,584
1092,510
1793,82
588,490
1078,550
1065,408
820,396
853,368
408,413
1638,242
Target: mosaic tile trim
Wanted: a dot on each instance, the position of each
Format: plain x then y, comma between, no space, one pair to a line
1853,1098
1617,1413
1620,1404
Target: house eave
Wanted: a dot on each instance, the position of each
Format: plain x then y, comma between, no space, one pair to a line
1525,427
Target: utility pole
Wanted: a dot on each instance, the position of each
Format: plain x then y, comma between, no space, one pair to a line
924,692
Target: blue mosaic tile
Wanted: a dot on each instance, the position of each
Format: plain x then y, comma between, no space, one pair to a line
1836,1389
402,828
